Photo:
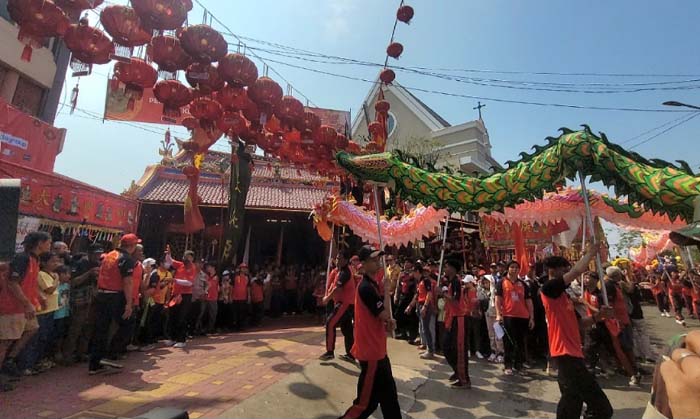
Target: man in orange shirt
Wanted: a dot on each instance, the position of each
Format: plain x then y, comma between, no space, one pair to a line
114,300
576,383
240,295
185,274
457,324
515,310
343,295
257,296
122,339
376,386
20,300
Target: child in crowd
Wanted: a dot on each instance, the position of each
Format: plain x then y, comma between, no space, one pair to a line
61,316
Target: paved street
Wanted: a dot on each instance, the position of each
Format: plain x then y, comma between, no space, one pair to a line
273,372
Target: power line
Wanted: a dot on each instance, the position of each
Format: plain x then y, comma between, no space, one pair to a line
653,129
519,102
688,119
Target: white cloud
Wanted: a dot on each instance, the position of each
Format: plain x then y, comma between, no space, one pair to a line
337,23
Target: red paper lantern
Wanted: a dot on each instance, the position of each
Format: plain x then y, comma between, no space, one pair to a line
382,106
309,123
88,45
405,14
203,43
232,98
266,93
204,77
77,5
289,110
387,76
252,114
167,52
353,148
238,70
376,129
162,15
173,95
125,27
137,75
190,123
394,50
327,135
373,147
341,143
206,109
232,124
37,20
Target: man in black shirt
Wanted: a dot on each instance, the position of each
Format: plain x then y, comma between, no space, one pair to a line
343,295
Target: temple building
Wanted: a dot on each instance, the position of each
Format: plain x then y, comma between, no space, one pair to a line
276,227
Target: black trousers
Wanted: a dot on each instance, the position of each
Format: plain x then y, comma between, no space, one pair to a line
662,302
179,318
514,341
457,348
239,308
125,333
154,324
578,386
108,308
406,324
342,316
474,334
257,312
375,387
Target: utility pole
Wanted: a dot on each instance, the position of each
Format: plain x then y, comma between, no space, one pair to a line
479,109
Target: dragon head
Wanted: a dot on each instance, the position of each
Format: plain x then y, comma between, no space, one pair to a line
374,167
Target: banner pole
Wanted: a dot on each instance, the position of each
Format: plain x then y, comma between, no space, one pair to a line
387,298
589,220
442,250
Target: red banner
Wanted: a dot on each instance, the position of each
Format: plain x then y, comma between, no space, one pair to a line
119,106
340,120
28,141
499,235
61,198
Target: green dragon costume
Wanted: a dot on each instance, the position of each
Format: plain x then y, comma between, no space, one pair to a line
656,185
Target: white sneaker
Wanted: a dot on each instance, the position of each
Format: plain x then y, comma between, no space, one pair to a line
478,355
667,314
168,342
179,345
634,380
499,359
132,348
492,358
680,321
427,355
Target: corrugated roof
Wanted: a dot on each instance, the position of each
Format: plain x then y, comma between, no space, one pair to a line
270,195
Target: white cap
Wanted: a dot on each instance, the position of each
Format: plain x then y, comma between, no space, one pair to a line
468,278
148,262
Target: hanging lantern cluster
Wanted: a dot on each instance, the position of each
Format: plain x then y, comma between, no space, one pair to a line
225,94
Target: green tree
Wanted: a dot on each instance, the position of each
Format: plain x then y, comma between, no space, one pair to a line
628,238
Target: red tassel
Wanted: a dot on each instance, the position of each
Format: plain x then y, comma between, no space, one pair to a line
27,53
74,98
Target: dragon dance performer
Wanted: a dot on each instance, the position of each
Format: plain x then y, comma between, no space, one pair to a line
343,295
457,324
576,383
376,385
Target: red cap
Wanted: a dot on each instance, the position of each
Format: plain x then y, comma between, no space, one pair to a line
130,239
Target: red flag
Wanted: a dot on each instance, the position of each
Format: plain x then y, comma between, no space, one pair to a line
520,249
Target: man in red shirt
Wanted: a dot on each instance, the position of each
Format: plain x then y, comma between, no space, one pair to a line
122,339
114,300
514,308
576,383
183,280
376,385
209,306
240,295
343,295
20,299
257,296
457,325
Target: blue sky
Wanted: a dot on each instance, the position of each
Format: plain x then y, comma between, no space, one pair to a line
641,37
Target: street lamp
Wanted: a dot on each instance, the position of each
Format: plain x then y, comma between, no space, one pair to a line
685,105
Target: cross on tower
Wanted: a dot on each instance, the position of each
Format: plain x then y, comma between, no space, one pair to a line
479,108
